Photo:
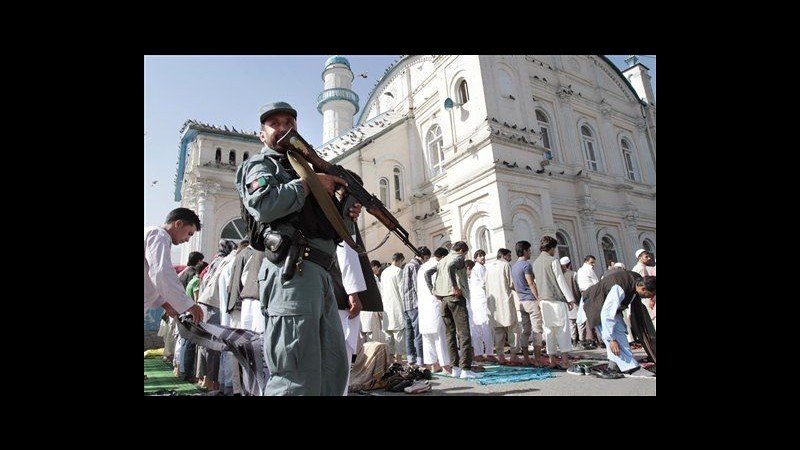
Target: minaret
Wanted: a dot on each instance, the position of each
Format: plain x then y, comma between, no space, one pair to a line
337,103
639,77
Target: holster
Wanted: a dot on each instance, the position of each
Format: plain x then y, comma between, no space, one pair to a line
290,264
276,246
299,252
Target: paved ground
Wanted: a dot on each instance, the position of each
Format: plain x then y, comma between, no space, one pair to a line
161,379
562,384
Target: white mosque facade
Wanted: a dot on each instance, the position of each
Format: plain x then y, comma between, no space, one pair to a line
485,149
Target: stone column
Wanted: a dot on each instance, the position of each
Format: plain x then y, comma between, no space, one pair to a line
643,154
570,143
189,200
590,246
611,158
631,236
206,242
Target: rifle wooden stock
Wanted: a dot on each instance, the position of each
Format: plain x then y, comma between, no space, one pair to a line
373,205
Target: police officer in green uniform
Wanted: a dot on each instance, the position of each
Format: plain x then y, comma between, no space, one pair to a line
303,342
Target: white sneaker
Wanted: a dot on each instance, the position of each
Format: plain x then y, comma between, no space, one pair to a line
469,374
456,372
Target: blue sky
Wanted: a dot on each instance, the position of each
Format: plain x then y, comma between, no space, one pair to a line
228,90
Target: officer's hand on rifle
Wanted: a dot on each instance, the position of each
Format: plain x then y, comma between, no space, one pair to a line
329,182
355,211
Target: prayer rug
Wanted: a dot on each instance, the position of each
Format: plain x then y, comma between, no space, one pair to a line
497,374
161,381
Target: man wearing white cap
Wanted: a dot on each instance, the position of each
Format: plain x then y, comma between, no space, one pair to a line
643,260
586,278
572,282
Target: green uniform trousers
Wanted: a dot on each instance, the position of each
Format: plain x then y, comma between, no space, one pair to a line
304,344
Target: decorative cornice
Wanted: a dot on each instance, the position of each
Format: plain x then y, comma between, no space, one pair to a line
631,217
224,130
586,208
624,86
207,187
605,108
564,95
587,216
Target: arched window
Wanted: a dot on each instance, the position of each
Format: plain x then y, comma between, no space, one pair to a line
383,187
398,184
435,146
627,158
484,240
235,230
563,247
609,251
218,155
589,147
463,92
232,158
245,156
544,126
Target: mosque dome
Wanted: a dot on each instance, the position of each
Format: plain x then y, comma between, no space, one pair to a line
337,60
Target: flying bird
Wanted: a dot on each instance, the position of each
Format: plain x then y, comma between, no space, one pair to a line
511,97
363,75
389,94
154,183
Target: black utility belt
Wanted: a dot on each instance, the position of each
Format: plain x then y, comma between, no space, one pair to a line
318,257
294,250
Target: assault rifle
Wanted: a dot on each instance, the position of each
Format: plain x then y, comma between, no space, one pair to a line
374,206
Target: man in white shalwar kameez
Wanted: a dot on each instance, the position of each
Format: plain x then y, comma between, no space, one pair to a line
431,325
587,278
353,282
394,324
482,337
230,381
555,299
644,259
503,311
569,276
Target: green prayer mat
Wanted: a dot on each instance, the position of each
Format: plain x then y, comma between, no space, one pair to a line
161,381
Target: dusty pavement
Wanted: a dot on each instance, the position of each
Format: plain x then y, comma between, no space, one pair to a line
562,384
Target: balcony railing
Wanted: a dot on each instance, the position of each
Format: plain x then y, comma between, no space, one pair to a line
337,94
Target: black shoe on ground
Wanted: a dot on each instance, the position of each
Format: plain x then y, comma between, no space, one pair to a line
607,374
